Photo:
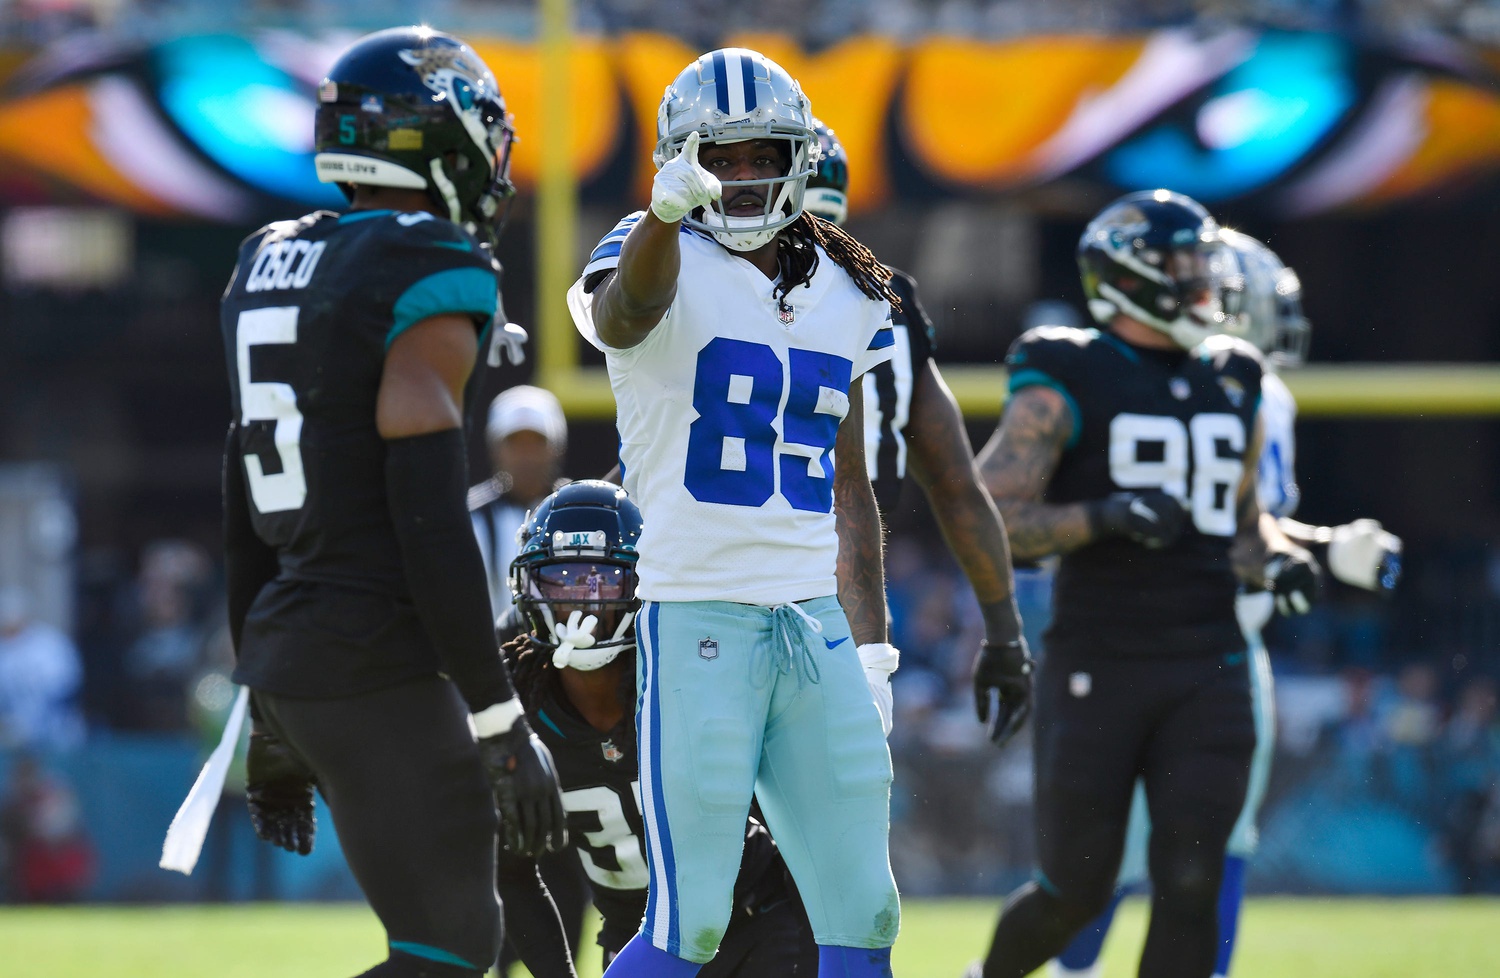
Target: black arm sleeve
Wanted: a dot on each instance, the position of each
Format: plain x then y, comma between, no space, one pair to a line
532,925
426,481
249,562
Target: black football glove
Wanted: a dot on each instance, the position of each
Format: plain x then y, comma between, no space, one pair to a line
1004,670
279,793
521,772
1293,578
1152,519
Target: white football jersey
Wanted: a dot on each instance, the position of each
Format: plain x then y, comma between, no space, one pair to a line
1278,490
727,414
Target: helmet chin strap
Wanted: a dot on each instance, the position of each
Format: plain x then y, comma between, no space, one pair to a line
745,233
447,190
1186,330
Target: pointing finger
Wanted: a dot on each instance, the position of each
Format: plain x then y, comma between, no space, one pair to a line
690,148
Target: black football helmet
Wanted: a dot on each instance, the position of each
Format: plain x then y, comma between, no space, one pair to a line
827,193
1156,256
577,562
415,108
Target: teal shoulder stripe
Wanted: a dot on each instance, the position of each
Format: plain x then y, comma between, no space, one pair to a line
1120,345
470,290
1035,378
542,716
352,216
431,953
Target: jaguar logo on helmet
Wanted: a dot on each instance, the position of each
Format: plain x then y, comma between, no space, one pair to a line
1157,257
417,109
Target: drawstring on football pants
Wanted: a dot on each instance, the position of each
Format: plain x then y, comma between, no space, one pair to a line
788,633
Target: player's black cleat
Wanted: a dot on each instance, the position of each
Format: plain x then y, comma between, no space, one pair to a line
279,793
521,772
1004,670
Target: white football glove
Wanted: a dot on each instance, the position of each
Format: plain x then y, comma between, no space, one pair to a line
575,633
511,339
1365,555
682,185
880,660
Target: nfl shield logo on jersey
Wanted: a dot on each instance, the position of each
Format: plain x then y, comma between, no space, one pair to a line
612,753
1080,684
708,649
1180,388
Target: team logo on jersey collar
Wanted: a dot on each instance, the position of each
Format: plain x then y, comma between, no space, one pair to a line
1233,390
1180,388
612,753
708,649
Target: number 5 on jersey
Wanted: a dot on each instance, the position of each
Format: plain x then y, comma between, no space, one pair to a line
274,492
734,455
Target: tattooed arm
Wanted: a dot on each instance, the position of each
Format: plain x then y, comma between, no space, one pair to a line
943,463
861,573
1018,463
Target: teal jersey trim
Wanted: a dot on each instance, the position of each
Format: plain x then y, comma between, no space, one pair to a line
353,216
455,245
1119,344
542,716
431,953
470,290
1035,378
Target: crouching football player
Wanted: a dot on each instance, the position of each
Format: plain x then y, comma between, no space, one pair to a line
574,663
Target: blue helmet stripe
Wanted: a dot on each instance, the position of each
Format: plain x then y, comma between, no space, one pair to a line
747,72
721,81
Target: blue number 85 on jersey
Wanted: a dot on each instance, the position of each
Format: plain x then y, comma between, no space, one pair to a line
735,453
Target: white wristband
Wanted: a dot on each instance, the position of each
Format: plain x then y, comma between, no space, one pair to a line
879,655
498,719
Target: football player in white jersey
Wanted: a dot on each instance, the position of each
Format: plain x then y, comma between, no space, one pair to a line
734,326
1268,313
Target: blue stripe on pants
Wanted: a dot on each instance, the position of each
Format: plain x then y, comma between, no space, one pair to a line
659,839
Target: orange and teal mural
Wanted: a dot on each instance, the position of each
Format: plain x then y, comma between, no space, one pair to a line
219,127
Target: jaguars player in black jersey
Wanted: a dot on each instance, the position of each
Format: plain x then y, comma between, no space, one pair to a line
357,598
913,421
573,658
1132,451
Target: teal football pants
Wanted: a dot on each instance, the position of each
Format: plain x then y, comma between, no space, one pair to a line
739,700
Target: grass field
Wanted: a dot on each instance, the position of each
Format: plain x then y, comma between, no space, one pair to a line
1280,939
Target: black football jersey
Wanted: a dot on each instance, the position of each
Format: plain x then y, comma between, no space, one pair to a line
1170,420
888,390
309,313
601,786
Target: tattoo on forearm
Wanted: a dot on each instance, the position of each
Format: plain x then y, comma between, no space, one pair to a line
1018,463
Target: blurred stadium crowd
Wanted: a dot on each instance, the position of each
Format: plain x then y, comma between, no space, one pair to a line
816,23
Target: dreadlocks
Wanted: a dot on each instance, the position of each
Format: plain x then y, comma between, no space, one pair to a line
799,259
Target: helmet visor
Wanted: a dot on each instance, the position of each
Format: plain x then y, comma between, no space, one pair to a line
583,583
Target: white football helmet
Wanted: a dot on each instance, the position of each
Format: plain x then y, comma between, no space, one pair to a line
731,95
1268,312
